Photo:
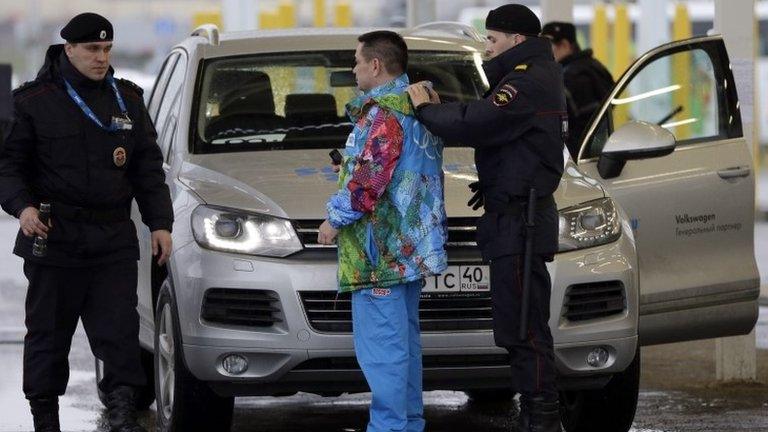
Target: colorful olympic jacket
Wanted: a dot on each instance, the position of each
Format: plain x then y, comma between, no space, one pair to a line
390,205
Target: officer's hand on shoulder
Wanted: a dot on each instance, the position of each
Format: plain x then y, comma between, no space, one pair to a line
433,96
30,223
161,245
421,94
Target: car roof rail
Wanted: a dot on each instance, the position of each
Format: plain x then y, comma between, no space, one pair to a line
449,27
208,31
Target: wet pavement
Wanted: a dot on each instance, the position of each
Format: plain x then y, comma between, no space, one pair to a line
678,389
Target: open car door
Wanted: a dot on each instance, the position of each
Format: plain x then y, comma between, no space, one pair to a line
667,144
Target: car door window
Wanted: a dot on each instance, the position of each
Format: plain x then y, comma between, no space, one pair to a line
161,84
171,135
173,90
169,127
681,91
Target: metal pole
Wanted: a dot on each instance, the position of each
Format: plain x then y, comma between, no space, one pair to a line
556,10
421,11
652,25
736,357
239,15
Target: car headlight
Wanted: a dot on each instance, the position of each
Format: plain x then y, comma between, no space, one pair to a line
589,224
230,230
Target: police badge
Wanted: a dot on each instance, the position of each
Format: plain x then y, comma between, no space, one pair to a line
119,156
506,94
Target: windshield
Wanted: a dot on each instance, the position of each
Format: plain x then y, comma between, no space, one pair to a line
296,100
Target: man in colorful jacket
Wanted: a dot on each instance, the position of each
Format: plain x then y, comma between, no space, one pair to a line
389,217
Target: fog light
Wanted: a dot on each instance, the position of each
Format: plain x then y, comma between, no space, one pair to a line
598,357
235,364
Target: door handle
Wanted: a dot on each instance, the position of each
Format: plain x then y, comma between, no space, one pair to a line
730,173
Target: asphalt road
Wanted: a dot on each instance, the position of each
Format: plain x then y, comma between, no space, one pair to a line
678,390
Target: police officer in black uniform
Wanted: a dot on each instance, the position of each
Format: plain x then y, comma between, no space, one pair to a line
82,141
587,81
517,131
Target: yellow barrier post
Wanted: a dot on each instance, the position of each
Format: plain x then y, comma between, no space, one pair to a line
622,36
343,14
599,33
207,17
320,20
269,19
681,68
622,39
286,12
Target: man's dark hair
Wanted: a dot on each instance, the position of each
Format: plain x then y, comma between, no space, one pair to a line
387,46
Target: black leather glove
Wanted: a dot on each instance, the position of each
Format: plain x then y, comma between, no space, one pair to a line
477,199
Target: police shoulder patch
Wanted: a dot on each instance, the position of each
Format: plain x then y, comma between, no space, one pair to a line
505,95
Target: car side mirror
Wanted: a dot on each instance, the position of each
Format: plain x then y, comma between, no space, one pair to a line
634,140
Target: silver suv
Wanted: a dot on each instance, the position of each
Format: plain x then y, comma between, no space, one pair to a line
656,225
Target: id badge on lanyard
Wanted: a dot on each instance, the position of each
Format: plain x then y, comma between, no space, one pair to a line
119,123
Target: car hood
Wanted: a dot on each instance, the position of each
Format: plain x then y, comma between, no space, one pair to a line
296,184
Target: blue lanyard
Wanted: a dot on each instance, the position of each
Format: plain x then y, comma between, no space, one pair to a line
87,110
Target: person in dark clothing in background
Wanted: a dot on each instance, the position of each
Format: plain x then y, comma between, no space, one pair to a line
517,131
6,102
587,81
83,142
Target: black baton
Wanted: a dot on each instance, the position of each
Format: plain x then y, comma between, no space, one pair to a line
527,262
40,244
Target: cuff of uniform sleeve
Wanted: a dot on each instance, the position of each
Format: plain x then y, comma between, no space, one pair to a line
18,204
160,224
422,106
423,110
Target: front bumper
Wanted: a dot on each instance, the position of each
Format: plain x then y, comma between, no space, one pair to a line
291,356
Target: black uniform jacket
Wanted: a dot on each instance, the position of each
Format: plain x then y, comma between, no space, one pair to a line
517,132
55,153
587,83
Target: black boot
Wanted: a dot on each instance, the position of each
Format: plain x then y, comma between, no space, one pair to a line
45,414
539,415
121,410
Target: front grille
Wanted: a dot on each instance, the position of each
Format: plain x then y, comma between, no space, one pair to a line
594,300
428,362
461,233
332,313
307,230
245,307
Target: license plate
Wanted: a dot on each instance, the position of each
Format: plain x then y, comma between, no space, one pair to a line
460,279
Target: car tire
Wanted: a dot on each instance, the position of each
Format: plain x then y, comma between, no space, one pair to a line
611,408
184,403
146,394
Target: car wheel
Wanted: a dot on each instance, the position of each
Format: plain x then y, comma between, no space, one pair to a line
184,403
611,408
146,394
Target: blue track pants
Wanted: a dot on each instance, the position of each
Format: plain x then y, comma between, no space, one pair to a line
385,324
